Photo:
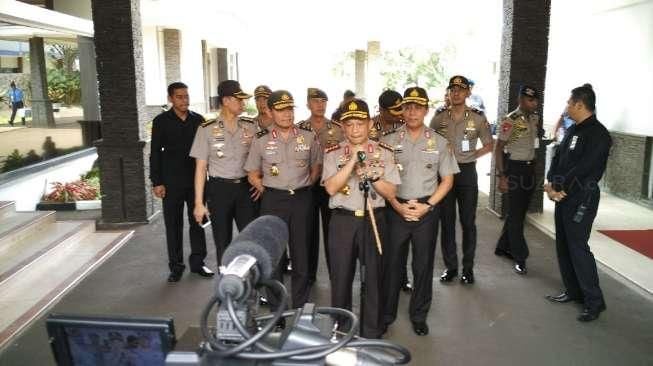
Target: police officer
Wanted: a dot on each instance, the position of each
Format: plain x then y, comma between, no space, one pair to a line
283,163
463,127
389,117
573,179
263,119
351,234
516,172
221,147
328,133
171,173
421,156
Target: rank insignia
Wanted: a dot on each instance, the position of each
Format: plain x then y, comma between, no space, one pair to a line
274,170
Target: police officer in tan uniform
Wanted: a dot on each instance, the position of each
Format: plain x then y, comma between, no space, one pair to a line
351,233
328,133
518,138
221,146
263,119
463,127
283,163
389,117
422,156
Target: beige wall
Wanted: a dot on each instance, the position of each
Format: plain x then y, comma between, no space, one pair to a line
610,45
78,8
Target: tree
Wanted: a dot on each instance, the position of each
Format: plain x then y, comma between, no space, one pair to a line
406,67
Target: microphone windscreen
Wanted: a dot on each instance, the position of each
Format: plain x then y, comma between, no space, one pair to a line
264,239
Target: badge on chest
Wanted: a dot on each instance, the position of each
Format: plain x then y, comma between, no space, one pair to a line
574,141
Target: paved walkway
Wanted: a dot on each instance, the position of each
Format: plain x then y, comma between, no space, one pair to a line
502,320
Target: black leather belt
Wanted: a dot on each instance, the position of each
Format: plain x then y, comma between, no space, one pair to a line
522,162
288,191
420,200
225,180
357,213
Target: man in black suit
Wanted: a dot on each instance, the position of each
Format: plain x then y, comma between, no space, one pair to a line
171,172
573,179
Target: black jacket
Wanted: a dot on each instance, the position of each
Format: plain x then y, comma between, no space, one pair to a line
172,138
581,159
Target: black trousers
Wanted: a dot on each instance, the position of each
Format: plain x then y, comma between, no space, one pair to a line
521,185
352,238
465,193
296,211
321,211
173,216
15,106
576,261
422,235
227,202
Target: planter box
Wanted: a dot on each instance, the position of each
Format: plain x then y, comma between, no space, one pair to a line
69,206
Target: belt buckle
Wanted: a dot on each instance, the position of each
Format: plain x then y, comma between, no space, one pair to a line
292,192
237,180
359,213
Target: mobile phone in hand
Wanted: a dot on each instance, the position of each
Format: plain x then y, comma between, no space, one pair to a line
205,222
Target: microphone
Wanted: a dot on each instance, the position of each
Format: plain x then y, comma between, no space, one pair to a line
252,255
361,156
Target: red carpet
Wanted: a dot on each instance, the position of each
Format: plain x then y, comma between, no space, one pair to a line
639,240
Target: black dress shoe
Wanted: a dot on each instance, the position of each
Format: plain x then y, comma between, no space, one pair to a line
587,315
420,328
174,276
204,272
448,275
561,298
467,277
407,287
502,253
520,269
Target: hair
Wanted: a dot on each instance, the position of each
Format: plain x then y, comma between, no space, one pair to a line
174,86
12,84
585,94
348,94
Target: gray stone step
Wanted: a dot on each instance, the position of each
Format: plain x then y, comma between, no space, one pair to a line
38,286
19,254
17,226
6,207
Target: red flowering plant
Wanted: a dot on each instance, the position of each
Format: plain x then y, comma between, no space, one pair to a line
74,191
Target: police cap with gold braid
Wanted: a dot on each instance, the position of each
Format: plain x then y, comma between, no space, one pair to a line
281,99
391,101
357,108
459,81
528,91
262,91
315,93
416,95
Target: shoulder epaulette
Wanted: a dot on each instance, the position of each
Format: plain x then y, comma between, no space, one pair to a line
386,146
262,133
247,119
389,132
514,115
330,148
305,125
207,123
477,111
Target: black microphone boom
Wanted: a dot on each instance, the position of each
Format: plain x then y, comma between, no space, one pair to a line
264,239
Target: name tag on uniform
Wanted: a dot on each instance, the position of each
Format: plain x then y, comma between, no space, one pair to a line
574,139
536,143
465,145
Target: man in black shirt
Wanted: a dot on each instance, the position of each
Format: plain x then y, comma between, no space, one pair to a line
171,172
573,179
